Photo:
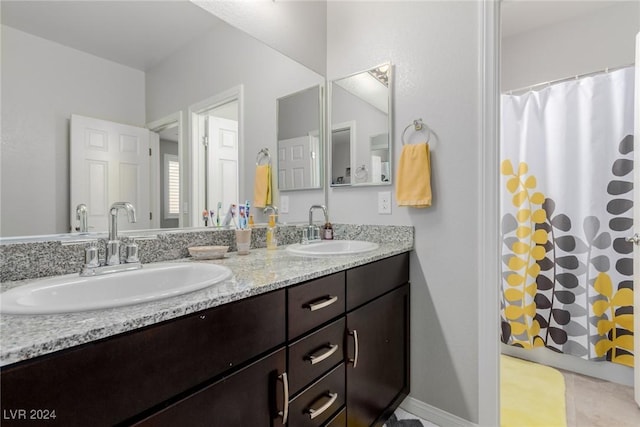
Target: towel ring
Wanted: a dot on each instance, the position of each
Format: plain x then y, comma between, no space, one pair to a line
263,154
361,173
418,125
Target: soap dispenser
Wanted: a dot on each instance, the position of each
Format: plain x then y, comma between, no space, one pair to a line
272,241
327,231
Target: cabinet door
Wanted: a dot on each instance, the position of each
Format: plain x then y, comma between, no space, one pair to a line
251,397
380,372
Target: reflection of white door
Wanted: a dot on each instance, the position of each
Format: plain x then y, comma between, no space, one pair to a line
223,162
294,163
109,163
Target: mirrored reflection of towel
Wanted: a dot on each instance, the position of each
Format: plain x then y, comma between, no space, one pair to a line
413,180
262,186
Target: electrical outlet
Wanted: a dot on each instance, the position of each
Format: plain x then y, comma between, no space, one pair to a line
284,204
384,202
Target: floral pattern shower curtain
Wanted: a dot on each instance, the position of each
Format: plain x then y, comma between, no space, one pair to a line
567,206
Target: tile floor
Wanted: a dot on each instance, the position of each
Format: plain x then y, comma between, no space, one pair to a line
591,402
404,415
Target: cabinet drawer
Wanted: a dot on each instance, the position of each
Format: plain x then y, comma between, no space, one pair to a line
250,397
320,401
369,281
106,382
339,420
314,303
315,354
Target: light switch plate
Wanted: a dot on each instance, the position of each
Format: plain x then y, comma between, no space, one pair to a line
284,204
384,202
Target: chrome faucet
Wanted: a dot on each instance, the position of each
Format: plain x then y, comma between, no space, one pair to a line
273,209
81,215
311,233
112,261
113,244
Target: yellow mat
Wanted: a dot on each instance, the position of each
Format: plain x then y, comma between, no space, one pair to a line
531,395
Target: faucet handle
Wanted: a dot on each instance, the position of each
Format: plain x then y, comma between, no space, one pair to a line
131,250
91,257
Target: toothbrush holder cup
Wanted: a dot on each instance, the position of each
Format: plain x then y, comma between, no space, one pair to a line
243,241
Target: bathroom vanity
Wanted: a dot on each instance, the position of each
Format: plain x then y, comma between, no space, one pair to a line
327,348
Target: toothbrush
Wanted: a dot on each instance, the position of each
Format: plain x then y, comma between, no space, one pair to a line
246,213
205,217
218,216
241,215
233,215
230,216
212,216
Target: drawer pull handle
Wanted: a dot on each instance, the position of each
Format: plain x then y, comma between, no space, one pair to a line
354,334
318,305
316,412
332,348
285,390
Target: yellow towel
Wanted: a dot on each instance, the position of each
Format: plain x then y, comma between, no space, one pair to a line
262,186
413,179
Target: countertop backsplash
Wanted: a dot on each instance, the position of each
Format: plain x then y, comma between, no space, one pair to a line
32,260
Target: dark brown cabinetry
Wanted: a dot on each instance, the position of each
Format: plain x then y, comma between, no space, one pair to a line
330,352
115,380
244,399
377,297
379,373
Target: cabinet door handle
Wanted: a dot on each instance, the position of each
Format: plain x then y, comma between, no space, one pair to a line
320,357
285,391
354,334
316,412
318,305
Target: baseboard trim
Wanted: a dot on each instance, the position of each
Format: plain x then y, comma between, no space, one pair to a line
433,414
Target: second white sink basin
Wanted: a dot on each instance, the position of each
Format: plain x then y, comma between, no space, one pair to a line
72,293
332,247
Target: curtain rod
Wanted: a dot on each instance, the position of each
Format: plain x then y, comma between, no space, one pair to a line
539,86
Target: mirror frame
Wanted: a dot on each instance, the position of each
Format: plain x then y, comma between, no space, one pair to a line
330,126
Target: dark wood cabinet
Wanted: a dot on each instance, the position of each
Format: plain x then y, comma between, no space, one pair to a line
315,354
318,403
111,381
378,375
224,366
250,397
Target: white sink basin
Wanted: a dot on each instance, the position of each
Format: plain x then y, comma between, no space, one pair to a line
72,293
332,247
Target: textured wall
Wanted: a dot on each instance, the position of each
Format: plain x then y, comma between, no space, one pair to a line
435,50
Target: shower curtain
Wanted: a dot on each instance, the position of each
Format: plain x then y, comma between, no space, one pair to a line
566,208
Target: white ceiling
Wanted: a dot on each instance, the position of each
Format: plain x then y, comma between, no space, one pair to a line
519,16
141,33
138,33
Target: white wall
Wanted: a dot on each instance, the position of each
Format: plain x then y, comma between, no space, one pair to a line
295,28
43,83
435,49
584,44
225,58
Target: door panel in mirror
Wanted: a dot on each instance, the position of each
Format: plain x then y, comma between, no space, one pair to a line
363,100
299,140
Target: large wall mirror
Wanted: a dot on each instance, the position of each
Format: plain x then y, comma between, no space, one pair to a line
360,140
136,64
300,140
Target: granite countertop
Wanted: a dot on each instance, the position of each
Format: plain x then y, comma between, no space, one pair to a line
26,336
